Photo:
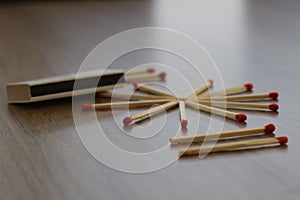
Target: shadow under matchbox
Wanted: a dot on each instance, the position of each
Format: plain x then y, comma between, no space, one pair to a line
63,85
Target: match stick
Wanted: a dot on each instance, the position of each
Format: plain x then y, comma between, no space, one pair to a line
234,146
140,71
270,95
183,118
227,104
269,128
234,90
231,115
130,96
200,90
151,90
145,77
152,111
123,104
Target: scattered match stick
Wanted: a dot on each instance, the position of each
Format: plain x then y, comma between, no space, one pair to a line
152,111
140,71
183,118
144,77
227,104
231,115
270,95
151,90
234,146
269,128
200,90
234,90
130,96
124,104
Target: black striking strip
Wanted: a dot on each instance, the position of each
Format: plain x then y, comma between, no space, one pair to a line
85,83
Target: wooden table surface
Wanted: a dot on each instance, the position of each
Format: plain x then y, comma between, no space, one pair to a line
41,154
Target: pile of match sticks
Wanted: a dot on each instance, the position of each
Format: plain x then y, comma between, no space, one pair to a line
229,146
199,99
215,102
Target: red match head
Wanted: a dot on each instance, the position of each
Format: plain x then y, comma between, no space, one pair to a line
241,117
273,107
135,84
150,70
162,75
127,120
87,106
273,95
283,139
211,82
184,123
249,86
269,128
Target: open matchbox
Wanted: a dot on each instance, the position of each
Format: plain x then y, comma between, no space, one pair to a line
63,85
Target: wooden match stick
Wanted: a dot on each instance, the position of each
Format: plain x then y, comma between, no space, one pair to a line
144,77
227,104
130,96
231,115
152,111
234,146
151,90
269,128
270,95
200,90
123,104
183,118
234,90
140,71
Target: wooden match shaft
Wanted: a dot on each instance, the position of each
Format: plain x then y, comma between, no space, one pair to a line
144,77
130,96
269,128
151,90
233,146
227,104
217,111
151,111
200,90
155,110
140,71
182,112
271,95
233,90
124,104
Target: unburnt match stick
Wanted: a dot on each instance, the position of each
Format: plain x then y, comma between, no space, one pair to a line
234,146
183,118
234,90
130,96
140,71
200,90
227,104
270,95
151,90
124,104
231,115
269,128
144,77
152,111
